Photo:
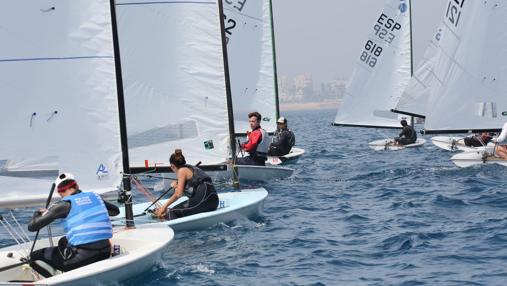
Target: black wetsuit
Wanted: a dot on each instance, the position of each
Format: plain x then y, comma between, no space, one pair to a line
407,136
477,140
65,257
202,196
283,142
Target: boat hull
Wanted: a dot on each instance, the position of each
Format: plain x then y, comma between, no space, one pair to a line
476,158
452,144
233,206
292,157
142,247
387,145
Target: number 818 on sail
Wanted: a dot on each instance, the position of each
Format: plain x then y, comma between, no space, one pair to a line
371,54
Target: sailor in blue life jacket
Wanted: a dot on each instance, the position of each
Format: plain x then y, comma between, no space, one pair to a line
257,144
193,183
283,139
86,223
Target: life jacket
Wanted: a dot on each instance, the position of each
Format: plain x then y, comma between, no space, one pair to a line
263,146
88,220
292,140
198,177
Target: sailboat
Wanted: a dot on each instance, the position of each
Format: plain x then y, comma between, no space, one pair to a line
59,66
251,48
459,86
177,95
382,73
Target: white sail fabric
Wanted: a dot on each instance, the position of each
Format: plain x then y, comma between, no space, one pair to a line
468,69
430,73
382,72
59,110
173,72
251,61
459,84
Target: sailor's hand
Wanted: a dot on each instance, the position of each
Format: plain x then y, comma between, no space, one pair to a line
160,212
174,184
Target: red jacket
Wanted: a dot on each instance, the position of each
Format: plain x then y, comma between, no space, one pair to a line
254,138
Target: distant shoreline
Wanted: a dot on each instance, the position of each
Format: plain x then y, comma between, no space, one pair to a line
322,105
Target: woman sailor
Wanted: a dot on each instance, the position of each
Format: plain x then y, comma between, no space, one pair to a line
193,183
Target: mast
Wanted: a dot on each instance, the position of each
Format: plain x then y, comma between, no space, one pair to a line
126,193
230,112
412,121
412,115
277,99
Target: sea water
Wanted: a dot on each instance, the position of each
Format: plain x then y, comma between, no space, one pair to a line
353,216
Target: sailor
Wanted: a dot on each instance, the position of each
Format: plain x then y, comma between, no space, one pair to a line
86,223
501,150
407,135
283,139
478,140
193,183
257,144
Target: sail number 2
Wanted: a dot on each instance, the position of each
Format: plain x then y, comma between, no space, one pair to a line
454,10
230,24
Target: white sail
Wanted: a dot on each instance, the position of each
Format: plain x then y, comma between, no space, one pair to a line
382,72
59,110
173,72
461,85
251,61
429,75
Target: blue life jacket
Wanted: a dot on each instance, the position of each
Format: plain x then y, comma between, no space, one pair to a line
88,220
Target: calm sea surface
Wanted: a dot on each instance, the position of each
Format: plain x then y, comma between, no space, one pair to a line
352,216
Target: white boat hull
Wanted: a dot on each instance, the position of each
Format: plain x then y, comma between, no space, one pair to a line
233,205
246,173
141,249
292,157
263,173
472,158
388,145
452,144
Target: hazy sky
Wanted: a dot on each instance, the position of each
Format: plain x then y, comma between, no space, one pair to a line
323,37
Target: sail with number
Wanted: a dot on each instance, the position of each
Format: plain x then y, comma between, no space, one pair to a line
59,110
461,84
382,72
173,72
252,63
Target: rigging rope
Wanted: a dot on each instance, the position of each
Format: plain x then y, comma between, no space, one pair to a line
144,191
28,240
13,233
